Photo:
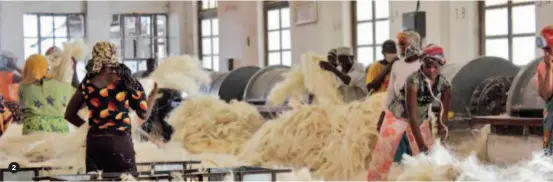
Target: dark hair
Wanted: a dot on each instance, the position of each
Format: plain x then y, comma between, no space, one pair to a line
130,82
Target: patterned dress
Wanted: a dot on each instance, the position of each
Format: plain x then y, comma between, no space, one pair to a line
43,106
110,125
396,128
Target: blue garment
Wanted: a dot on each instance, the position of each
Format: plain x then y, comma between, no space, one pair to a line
547,128
403,148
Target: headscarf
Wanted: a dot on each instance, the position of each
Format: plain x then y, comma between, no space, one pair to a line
104,54
546,38
436,53
412,39
36,68
4,59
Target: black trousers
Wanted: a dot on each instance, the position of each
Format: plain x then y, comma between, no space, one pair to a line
109,151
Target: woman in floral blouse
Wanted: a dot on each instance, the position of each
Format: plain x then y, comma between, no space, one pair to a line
109,92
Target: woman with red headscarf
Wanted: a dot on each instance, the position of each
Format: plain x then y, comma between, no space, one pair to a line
545,84
410,113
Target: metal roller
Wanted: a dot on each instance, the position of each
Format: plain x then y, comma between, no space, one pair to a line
214,76
523,98
465,77
231,85
262,82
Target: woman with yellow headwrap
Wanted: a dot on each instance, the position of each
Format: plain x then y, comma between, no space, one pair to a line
109,92
43,100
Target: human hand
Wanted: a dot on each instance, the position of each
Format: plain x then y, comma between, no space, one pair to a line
154,90
423,148
326,65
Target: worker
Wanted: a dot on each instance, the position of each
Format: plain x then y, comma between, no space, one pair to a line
9,83
55,50
378,74
163,106
350,73
43,100
409,113
108,90
545,84
6,117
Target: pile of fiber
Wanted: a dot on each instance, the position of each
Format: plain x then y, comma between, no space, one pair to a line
183,73
61,63
309,78
334,141
206,124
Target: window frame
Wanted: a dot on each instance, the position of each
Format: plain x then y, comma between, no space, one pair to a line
153,38
207,14
510,35
272,5
373,20
39,37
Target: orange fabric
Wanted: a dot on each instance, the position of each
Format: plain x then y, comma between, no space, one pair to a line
36,68
547,33
7,87
391,131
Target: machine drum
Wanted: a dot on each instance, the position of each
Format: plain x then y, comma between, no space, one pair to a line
490,97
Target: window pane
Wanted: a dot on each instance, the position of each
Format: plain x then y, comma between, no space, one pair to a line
215,4
522,53
364,10
216,63
496,22
30,46
206,46
205,4
161,51
144,48
145,26
131,64
161,25
274,40
285,14
273,19
45,44
382,31
142,65
365,55
30,26
206,27
495,2
382,8
60,24
130,26
76,26
211,4
524,19
274,58
129,48
58,42
117,43
215,26
364,34
287,58
216,45
498,48
286,39
378,53
46,23
206,62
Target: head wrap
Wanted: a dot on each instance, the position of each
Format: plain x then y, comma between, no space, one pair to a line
343,51
546,37
36,68
104,54
412,39
389,46
52,50
436,53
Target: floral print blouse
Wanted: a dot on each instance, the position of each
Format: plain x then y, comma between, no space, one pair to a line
109,106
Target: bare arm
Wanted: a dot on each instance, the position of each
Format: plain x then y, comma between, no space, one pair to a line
545,87
71,113
75,81
413,114
344,77
379,78
446,95
150,102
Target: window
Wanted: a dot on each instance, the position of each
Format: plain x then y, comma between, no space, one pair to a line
371,28
277,35
140,37
209,34
42,31
507,30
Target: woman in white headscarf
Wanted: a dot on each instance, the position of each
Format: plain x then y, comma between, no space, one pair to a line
349,72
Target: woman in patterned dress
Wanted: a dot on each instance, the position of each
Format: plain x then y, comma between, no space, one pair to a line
409,113
6,116
43,100
109,91
545,85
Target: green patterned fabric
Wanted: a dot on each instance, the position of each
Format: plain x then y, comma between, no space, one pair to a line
43,105
44,124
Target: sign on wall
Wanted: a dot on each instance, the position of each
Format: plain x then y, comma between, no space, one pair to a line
306,12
